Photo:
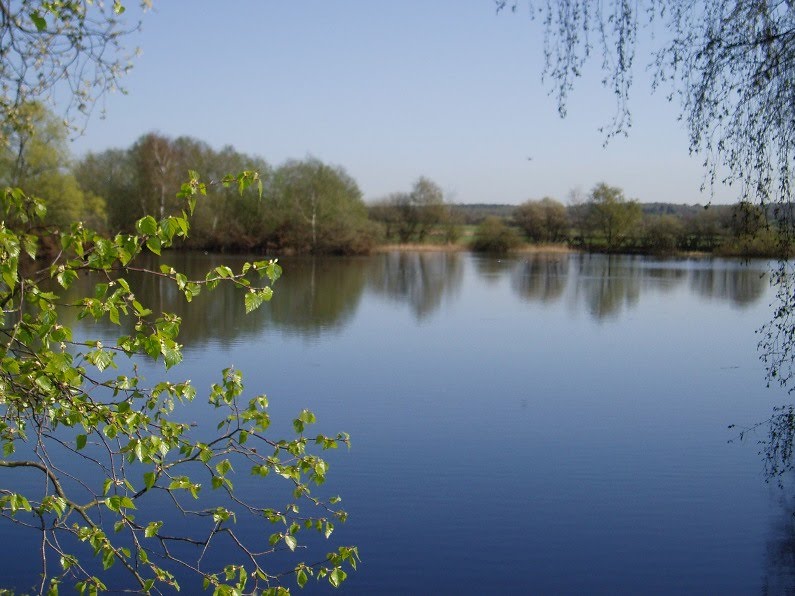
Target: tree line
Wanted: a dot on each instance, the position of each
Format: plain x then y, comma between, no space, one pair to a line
308,206
302,205
607,221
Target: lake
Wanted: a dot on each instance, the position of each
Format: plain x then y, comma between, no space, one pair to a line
532,424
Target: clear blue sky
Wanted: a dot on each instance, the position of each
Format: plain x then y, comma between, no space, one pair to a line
391,91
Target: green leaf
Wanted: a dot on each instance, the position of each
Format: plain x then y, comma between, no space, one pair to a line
149,479
38,21
80,440
301,578
336,577
152,529
140,310
153,244
139,450
147,226
273,271
223,467
66,277
108,559
112,503
253,300
290,541
171,355
19,502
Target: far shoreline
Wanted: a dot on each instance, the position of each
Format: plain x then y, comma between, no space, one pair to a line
532,249
524,249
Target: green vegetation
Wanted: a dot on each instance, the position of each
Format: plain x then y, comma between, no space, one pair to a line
608,222
37,158
308,206
75,403
416,216
495,236
93,455
543,221
311,207
65,408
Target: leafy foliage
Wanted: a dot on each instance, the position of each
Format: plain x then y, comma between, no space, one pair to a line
108,449
611,215
310,207
542,221
411,216
36,159
495,236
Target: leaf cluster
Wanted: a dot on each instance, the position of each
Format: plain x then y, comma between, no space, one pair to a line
107,447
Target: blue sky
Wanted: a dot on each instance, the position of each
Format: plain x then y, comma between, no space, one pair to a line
391,91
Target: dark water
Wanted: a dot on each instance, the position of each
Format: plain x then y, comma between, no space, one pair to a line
537,424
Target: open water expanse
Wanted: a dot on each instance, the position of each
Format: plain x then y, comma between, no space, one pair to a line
535,424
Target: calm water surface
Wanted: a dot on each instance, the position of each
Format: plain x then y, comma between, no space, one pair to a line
538,424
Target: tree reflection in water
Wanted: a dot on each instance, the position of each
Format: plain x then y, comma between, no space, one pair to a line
541,277
419,279
318,295
491,268
742,286
606,284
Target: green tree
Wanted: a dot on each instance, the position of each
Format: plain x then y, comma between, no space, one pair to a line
612,216
36,159
427,200
662,234
704,230
413,215
229,219
384,211
746,219
146,175
495,236
749,233
318,208
111,175
65,407
159,168
543,221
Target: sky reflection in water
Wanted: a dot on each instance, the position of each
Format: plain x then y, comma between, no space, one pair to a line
538,424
